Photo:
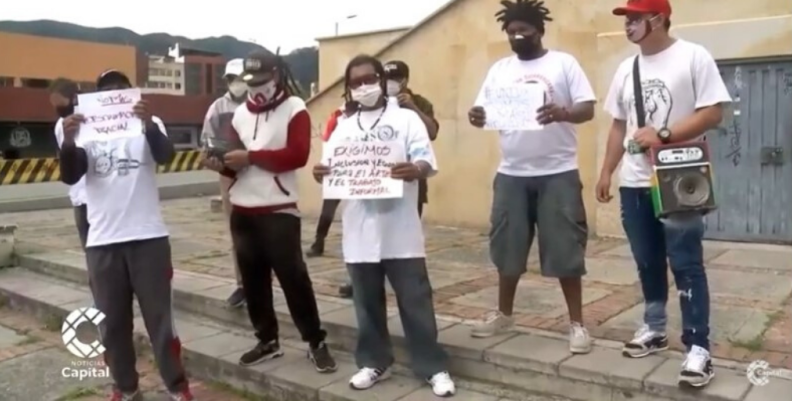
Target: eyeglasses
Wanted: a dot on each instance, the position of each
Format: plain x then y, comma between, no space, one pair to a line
370,79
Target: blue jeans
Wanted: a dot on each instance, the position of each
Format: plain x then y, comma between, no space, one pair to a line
678,239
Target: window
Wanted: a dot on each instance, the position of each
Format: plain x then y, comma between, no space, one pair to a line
178,73
178,86
169,73
183,137
169,85
6,82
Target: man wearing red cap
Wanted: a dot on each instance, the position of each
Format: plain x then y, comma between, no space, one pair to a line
681,93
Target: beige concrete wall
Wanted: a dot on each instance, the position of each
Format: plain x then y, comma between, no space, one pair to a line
335,52
448,66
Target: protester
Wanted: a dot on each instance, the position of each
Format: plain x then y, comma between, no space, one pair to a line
63,95
384,238
397,74
681,81
216,126
537,191
128,251
273,130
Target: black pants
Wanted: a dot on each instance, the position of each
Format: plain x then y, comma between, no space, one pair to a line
81,221
329,207
271,242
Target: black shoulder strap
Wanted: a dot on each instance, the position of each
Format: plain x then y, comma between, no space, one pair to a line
640,113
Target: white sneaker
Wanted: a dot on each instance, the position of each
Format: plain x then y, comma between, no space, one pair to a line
579,339
495,323
442,385
697,368
368,377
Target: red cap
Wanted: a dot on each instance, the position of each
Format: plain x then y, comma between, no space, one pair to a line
645,7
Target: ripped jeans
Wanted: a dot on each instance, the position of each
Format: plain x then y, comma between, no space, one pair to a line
678,241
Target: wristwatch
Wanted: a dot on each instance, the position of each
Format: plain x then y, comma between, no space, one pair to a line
665,135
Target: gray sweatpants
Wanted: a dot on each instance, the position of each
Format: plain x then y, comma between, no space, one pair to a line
143,269
410,282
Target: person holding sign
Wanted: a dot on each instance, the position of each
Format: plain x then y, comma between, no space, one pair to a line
382,232
128,252
537,190
216,125
680,96
271,133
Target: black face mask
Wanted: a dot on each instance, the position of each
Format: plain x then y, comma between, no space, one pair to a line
65,111
525,46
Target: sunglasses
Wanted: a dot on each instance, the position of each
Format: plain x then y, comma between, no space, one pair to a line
370,79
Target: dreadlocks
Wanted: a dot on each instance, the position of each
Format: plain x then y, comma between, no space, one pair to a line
287,81
532,12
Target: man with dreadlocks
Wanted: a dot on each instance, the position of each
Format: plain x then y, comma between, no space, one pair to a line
274,130
537,189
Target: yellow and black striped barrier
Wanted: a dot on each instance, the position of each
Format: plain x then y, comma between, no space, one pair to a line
31,171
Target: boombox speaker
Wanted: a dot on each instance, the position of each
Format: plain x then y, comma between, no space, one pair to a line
682,179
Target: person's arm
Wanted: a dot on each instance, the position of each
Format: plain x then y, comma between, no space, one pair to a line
73,162
211,126
162,149
295,154
614,149
425,111
711,94
581,93
419,148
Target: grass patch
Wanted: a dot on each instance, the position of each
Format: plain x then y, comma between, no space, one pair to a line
29,340
757,343
52,323
79,393
244,394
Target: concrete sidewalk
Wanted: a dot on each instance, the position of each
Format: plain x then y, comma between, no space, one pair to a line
54,195
751,285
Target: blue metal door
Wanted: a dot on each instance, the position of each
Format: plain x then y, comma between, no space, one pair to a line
752,155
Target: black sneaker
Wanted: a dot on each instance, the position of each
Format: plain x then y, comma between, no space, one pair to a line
345,291
321,358
237,298
316,250
697,369
260,353
645,342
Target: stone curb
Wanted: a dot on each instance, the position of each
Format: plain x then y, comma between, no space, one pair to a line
532,362
166,192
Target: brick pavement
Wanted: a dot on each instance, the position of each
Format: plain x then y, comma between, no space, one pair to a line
39,338
751,285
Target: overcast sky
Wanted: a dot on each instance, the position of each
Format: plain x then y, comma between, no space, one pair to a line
286,23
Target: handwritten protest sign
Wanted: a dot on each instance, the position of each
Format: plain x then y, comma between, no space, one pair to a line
361,170
513,107
109,115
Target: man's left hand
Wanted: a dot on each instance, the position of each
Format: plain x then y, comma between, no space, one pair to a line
647,137
141,110
406,171
406,101
236,159
551,113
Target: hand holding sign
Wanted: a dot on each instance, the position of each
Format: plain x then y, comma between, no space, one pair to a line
405,171
320,171
552,113
141,110
364,170
71,126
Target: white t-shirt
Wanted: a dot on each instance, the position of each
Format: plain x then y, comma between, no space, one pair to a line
553,149
121,189
676,82
379,229
76,191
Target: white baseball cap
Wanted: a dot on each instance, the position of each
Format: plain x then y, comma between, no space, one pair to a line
234,67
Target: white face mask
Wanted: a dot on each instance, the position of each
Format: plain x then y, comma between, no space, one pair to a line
394,87
367,95
237,89
263,93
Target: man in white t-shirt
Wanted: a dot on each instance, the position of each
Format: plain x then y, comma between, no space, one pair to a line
127,251
537,190
383,238
63,94
683,96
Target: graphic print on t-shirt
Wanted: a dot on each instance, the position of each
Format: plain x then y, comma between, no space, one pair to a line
110,157
541,80
658,102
